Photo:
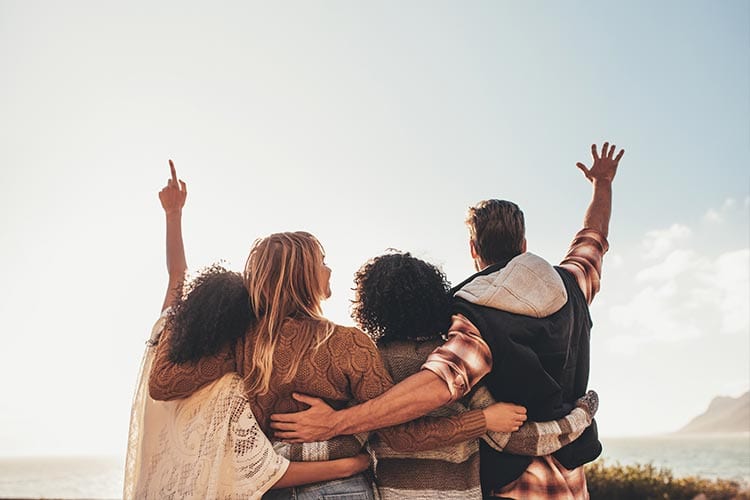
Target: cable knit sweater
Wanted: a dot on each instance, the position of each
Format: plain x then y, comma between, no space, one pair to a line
346,369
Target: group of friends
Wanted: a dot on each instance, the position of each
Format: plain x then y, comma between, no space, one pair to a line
246,390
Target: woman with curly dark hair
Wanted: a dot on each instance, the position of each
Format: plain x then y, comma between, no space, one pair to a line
399,297
404,304
208,445
213,310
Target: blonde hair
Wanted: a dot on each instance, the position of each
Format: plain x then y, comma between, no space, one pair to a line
283,279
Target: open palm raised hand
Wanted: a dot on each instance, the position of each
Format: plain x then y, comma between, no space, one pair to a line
605,166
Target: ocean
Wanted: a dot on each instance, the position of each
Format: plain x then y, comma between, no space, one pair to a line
727,457
716,456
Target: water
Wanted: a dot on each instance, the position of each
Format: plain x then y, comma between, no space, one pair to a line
727,457
718,456
61,477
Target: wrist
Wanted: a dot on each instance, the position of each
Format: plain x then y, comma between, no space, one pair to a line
337,425
349,468
600,183
173,213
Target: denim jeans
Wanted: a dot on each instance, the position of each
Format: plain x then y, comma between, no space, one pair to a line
352,488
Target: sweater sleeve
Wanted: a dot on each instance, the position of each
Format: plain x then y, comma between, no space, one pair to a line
170,380
368,378
540,438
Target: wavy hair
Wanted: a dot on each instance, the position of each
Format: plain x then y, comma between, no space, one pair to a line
283,280
212,311
400,297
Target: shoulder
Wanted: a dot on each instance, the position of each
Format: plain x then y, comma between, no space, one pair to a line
570,280
527,285
410,348
348,338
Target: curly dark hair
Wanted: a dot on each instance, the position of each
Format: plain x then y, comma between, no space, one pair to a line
400,297
214,309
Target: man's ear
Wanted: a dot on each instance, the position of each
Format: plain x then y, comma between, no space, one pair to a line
473,248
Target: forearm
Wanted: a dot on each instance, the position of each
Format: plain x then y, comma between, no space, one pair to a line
585,256
299,473
176,262
544,438
414,397
599,212
428,433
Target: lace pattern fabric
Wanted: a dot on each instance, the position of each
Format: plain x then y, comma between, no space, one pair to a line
206,446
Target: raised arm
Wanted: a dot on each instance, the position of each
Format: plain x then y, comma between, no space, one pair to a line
169,380
584,258
601,175
172,199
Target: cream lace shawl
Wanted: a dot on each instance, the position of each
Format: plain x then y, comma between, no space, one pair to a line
208,445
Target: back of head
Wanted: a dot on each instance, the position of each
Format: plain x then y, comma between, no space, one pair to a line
284,280
400,297
213,310
497,229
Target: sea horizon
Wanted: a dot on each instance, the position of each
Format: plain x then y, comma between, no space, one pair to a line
91,476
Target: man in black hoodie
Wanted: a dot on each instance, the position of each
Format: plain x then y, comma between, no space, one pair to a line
540,345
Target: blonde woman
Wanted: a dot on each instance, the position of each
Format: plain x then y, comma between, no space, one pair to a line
208,445
291,348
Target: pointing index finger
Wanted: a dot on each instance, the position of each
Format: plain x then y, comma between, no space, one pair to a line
174,172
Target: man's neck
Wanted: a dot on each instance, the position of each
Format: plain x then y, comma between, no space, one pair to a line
486,270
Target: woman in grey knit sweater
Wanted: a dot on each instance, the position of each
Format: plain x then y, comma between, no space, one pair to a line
404,304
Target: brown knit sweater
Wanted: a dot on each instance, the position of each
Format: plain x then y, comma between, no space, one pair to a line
346,369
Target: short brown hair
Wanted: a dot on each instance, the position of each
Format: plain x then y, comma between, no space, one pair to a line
497,229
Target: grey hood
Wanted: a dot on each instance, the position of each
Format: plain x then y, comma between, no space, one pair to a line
527,285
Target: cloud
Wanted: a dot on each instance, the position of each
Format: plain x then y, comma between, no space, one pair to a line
675,264
712,216
729,204
655,313
681,293
717,216
660,242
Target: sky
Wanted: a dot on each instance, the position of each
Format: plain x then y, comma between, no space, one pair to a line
372,125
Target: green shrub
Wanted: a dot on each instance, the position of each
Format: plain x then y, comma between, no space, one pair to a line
636,482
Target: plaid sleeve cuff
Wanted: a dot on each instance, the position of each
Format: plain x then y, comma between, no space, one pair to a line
463,360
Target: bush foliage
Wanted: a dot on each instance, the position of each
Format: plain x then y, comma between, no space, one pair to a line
639,481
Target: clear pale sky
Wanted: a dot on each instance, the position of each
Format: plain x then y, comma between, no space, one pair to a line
372,125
